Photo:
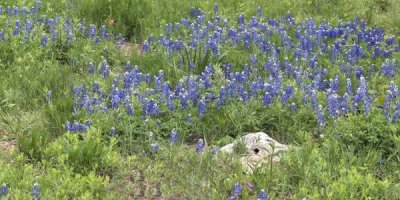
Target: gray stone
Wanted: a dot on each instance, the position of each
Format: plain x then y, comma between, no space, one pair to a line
259,147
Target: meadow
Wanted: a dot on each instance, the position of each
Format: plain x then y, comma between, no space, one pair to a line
132,99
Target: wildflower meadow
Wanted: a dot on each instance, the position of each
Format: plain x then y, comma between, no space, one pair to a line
134,99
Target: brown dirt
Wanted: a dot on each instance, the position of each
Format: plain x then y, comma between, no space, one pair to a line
6,146
128,48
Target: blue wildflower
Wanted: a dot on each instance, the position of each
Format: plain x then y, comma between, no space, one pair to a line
320,116
154,147
35,192
396,114
200,145
113,131
216,8
250,186
106,71
293,107
189,118
44,41
4,190
262,195
267,99
173,136
237,189
49,94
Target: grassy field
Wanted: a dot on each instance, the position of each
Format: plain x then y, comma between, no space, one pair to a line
105,99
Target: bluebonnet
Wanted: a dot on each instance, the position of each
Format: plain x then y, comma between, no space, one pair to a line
151,108
314,100
173,136
320,117
396,114
170,102
189,118
202,107
129,109
287,94
154,147
1,35
92,31
49,94
106,71
267,99
200,145
145,47
35,192
237,189
216,8
91,68
43,41
349,88
394,89
241,19
193,12
332,105
113,131
293,107
262,195
4,190
76,127
250,186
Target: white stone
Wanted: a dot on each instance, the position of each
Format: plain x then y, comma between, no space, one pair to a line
259,149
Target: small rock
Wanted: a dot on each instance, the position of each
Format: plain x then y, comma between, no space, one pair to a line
259,147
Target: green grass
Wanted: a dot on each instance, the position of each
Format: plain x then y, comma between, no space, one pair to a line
357,158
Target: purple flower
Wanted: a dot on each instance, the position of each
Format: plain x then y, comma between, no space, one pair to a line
44,41
200,145
3,190
262,195
35,192
173,136
237,189
241,19
349,88
113,132
320,116
154,147
293,107
267,99
106,71
129,109
216,8
396,114
49,94
189,118
91,68
145,47
249,186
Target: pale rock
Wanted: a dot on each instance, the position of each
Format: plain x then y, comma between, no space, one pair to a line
259,149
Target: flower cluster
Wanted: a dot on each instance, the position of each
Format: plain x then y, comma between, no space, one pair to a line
32,25
284,71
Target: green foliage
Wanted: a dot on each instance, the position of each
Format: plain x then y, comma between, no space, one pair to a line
83,153
368,132
33,143
54,183
356,158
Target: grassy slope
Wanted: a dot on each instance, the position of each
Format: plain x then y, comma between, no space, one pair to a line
337,170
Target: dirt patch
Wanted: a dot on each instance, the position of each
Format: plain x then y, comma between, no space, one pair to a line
128,48
6,146
135,186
